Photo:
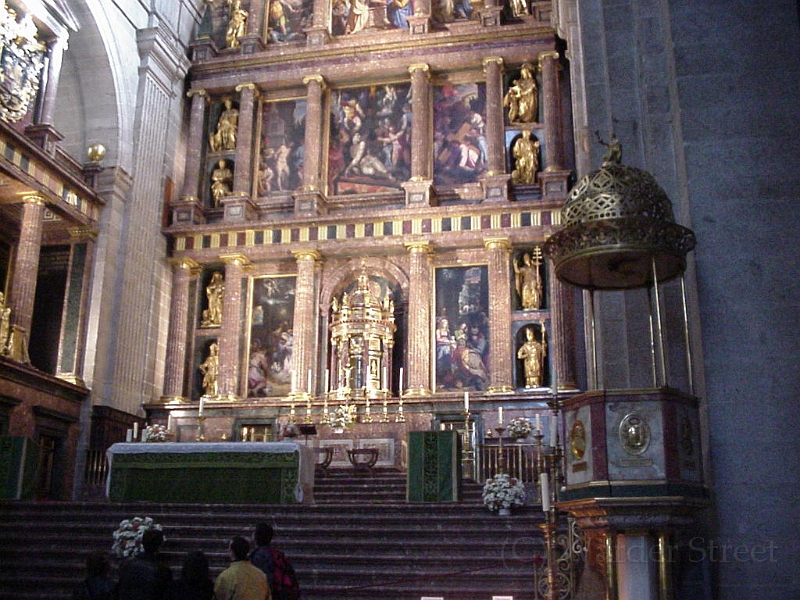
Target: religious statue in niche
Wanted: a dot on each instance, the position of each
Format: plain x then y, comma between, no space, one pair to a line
212,315
526,159
532,354
237,23
370,140
519,8
447,11
271,336
461,335
224,138
280,167
210,371
528,279
287,19
459,133
522,98
221,181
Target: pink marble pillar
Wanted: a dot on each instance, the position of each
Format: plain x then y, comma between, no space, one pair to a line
551,111
418,380
305,324
243,173
232,328
26,266
183,270
501,345
312,162
420,122
55,58
493,68
194,155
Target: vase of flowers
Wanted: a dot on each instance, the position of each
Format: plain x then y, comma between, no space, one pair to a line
341,418
503,492
128,537
156,433
519,428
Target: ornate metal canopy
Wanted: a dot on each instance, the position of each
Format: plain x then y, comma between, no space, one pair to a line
619,230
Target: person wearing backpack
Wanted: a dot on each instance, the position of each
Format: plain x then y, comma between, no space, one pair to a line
280,573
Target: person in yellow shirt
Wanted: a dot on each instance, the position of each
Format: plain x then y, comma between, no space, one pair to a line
241,580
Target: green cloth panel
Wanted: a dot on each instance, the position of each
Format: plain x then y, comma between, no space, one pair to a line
434,466
19,462
224,478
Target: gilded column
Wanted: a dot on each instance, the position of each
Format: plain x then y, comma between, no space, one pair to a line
183,269
553,141
564,340
232,326
305,323
418,357
496,180
418,188
309,200
243,175
500,340
26,265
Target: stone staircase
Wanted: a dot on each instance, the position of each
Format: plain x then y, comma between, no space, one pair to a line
361,540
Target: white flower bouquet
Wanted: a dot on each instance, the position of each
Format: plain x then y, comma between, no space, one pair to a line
341,417
519,428
128,538
155,433
503,491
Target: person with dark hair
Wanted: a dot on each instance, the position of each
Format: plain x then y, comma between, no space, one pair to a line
280,573
98,585
194,582
145,576
241,580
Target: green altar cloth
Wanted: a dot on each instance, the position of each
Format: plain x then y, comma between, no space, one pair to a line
211,473
434,466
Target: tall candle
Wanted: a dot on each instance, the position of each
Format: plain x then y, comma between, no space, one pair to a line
400,383
135,430
466,401
129,435
554,430
500,416
202,403
327,380
309,381
538,423
544,486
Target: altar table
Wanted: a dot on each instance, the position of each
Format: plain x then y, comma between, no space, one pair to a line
211,473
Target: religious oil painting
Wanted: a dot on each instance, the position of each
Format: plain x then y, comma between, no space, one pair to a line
280,164
287,19
370,139
269,370
353,16
447,11
461,334
459,134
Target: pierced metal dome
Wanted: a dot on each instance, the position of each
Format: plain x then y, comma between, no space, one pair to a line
618,228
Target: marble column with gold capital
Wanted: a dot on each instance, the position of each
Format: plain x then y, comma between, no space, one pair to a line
309,262
551,112
418,188
496,179
232,328
183,271
242,175
500,341
22,286
310,200
194,155
418,381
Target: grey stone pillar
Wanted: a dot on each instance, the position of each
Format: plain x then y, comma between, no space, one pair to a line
183,269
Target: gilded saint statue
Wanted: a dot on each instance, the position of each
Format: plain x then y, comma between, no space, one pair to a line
519,8
237,22
224,138
210,369
526,159
522,98
532,353
5,324
221,180
528,280
212,316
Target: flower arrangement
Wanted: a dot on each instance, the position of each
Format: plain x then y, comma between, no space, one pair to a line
519,428
155,433
503,491
342,416
128,537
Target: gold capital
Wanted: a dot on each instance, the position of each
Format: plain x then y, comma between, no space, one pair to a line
498,243
549,54
425,68
34,199
419,247
199,92
314,79
310,254
235,258
498,60
184,262
246,86
83,232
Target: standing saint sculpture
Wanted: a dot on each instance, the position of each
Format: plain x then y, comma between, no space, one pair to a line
237,22
522,98
210,370
224,138
212,316
526,159
528,280
532,353
221,179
